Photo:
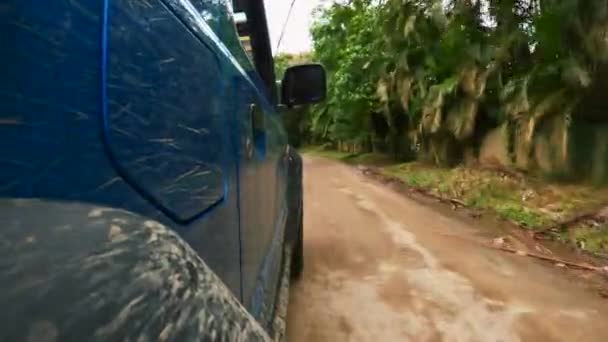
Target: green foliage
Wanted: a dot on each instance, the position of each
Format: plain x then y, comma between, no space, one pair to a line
436,70
523,201
347,157
522,215
592,238
283,61
346,42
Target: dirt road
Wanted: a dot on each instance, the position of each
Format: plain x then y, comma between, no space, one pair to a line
382,267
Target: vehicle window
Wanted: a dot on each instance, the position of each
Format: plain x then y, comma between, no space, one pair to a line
219,15
252,29
240,20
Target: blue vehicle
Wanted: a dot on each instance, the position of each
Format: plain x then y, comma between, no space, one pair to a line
147,190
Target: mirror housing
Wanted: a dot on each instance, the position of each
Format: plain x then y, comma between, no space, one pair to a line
303,84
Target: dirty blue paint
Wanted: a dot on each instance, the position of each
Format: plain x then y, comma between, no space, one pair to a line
88,273
165,118
53,91
262,174
263,212
145,107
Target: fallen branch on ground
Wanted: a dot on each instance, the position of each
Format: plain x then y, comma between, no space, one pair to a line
550,259
499,245
565,225
457,201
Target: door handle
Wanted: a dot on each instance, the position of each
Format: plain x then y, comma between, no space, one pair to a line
251,136
248,148
257,118
255,138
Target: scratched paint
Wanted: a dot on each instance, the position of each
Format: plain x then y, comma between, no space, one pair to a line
50,91
167,137
51,107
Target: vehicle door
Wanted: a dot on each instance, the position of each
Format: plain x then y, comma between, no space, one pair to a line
260,143
171,106
262,180
262,166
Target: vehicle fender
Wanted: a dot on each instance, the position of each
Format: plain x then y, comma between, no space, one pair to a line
79,272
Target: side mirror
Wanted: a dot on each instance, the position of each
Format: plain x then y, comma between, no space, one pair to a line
303,84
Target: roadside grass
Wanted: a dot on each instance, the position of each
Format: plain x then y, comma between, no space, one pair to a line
590,236
347,157
530,202
320,151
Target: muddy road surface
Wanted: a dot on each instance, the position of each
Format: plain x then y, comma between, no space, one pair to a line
382,267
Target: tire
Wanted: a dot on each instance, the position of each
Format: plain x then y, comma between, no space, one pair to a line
297,258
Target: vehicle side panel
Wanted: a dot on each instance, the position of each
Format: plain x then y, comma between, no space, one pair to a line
52,112
268,238
167,110
262,168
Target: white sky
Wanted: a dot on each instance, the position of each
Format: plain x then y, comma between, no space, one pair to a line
297,33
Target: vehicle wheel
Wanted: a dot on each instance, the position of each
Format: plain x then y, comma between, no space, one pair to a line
297,258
